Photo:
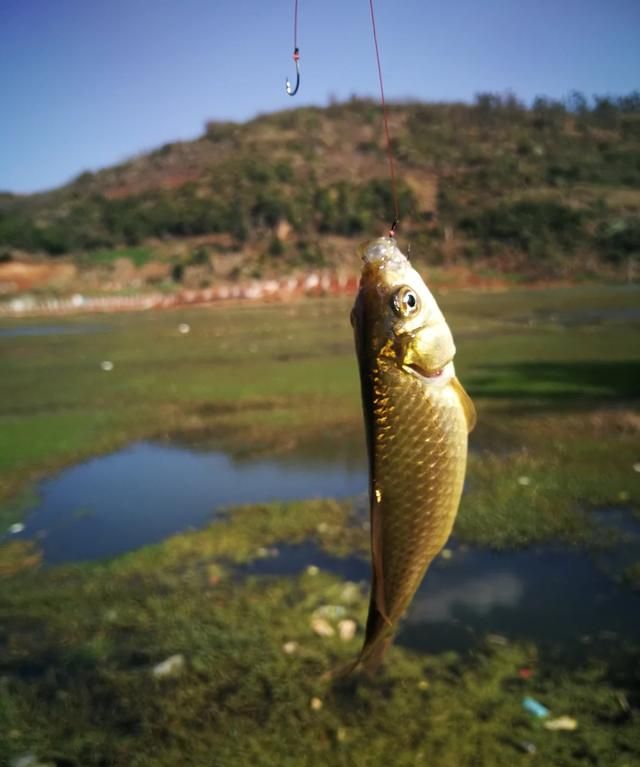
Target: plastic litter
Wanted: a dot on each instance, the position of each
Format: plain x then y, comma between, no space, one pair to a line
561,723
533,707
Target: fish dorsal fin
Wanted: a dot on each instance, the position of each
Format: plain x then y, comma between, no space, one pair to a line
467,405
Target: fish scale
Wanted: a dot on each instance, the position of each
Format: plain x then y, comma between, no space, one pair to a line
424,429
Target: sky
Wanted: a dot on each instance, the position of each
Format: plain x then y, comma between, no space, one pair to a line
85,84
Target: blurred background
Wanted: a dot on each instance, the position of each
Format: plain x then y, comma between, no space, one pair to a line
184,535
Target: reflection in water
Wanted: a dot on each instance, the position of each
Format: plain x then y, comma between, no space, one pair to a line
477,596
147,492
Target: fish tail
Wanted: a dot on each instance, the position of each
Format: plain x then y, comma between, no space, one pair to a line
378,638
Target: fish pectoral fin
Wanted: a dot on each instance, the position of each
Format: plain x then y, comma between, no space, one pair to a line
467,405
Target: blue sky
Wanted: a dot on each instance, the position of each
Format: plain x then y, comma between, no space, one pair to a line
87,84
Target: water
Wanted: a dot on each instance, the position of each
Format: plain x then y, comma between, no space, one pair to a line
21,331
546,594
149,491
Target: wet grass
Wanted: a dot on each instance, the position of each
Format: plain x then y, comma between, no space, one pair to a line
558,433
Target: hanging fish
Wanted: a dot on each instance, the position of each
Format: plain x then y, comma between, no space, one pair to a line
417,417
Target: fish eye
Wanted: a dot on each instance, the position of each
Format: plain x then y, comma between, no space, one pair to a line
405,302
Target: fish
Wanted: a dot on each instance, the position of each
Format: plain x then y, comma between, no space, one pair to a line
417,419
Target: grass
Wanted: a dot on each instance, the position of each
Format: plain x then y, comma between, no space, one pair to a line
556,392
138,256
78,684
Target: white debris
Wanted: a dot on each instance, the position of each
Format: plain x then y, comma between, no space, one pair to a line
313,570
347,629
636,467
290,647
524,481
169,667
322,627
446,553
316,704
15,528
184,328
106,365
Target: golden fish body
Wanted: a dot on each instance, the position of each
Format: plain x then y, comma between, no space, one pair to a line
417,417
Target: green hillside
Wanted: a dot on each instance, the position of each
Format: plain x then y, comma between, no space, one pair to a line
549,190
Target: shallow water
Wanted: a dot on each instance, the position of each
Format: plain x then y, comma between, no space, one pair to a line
146,492
21,331
549,595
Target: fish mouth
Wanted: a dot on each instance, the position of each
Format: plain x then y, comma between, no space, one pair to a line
440,375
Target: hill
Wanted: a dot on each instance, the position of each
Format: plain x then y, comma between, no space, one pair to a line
549,190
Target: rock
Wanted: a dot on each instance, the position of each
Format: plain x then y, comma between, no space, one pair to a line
184,328
172,666
316,704
347,629
106,365
566,723
524,481
322,627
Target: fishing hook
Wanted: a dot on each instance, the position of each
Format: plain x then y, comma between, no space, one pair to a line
296,57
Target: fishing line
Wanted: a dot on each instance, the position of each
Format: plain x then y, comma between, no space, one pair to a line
385,118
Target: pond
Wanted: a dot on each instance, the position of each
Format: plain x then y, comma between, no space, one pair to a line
148,491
